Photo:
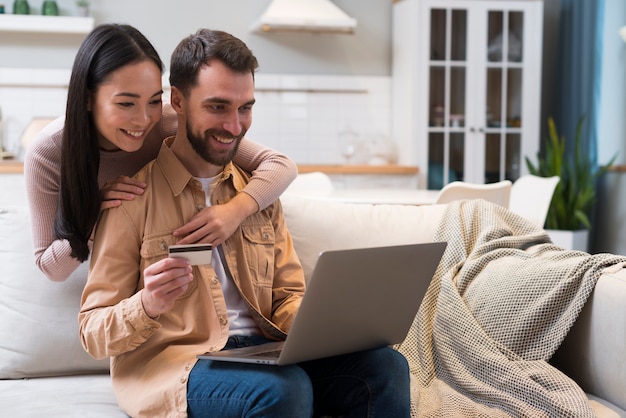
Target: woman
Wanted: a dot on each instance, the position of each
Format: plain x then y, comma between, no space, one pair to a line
114,124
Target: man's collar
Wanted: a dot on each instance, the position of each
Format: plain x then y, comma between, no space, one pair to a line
178,176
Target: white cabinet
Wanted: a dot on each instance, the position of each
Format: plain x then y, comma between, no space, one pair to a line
466,87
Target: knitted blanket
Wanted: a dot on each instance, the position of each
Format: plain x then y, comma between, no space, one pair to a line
500,303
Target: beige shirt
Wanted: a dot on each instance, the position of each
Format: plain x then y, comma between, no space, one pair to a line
151,359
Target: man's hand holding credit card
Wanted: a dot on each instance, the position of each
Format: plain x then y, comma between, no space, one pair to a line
197,254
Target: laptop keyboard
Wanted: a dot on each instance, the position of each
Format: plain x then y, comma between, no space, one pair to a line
272,353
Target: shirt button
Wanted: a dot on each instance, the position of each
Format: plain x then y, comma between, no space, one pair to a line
266,236
214,280
223,320
163,245
183,380
200,207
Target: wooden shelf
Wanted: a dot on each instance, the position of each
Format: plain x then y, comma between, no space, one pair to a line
46,24
359,169
11,167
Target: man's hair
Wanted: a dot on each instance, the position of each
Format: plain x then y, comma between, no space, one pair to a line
199,49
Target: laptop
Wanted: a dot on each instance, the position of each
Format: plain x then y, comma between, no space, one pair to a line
356,299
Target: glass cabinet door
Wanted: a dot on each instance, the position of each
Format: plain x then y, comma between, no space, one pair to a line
448,75
484,144
503,95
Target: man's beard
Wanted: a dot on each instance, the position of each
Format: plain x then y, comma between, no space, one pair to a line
202,145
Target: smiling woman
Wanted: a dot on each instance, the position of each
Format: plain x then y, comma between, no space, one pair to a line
107,51
127,106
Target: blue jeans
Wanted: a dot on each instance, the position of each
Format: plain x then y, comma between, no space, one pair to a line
372,383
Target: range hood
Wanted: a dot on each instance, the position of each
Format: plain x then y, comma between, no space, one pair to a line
319,16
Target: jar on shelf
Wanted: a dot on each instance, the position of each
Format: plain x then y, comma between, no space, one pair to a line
457,121
49,8
21,7
438,116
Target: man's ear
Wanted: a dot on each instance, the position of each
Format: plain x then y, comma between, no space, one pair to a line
177,100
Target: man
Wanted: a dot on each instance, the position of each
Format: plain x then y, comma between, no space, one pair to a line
153,314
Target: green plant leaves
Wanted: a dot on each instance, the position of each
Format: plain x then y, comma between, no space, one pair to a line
575,194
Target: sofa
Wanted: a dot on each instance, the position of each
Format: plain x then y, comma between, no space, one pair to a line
45,372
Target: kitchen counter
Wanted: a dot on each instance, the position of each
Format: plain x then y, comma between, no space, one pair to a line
358,169
366,176
11,167
344,176
414,197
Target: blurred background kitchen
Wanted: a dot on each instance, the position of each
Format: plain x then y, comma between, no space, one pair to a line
322,98
326,98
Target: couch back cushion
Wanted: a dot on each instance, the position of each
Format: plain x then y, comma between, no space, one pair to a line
316,225
38,318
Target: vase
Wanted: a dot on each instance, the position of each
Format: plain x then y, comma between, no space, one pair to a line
21,7
50,8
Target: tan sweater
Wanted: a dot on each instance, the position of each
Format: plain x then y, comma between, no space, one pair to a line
272,173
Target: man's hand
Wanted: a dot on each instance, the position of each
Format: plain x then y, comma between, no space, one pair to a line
122,188
164,282
214,224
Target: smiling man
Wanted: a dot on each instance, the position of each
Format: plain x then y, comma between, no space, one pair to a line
153,314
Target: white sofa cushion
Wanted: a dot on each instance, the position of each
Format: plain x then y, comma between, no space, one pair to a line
39,327
85,396
596,344
317,225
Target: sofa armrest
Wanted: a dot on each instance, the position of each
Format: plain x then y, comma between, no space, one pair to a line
593,352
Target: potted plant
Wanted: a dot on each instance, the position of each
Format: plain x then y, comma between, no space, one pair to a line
575,194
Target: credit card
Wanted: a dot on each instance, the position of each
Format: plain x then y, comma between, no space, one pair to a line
197,254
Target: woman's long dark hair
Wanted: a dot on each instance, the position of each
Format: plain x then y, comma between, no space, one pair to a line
106,49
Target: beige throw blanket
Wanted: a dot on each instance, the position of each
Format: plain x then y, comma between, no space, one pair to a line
500,303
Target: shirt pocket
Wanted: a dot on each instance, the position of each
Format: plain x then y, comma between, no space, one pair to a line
155,248
258,247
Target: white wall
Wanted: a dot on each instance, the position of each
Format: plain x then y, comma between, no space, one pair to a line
367,52
305,116
26,94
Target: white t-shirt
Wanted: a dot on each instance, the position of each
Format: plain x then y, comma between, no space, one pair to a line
240,321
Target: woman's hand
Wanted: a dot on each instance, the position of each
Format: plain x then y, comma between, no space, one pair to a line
122,188
164,282
214,224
